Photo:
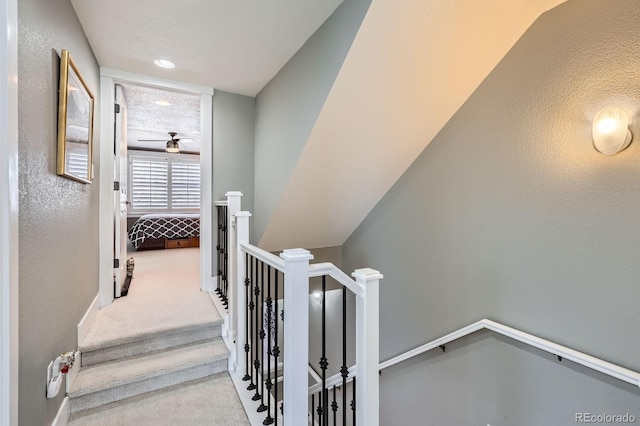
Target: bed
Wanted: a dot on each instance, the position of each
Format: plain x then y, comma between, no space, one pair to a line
158,231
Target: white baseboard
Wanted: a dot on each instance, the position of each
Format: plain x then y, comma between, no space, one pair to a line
210,285
62,418
85,323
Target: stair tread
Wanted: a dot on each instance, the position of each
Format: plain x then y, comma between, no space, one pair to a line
130,370
94,345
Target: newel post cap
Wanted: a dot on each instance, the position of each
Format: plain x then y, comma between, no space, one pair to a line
233,194
296,255
367,274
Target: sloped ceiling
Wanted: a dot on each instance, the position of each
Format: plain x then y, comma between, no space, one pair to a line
411,66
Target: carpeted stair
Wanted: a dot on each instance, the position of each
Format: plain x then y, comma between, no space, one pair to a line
127,368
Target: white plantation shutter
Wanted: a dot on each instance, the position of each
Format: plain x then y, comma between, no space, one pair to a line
185,184
78,163
164,183
149,183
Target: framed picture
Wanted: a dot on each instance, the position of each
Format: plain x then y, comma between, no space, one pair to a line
75,123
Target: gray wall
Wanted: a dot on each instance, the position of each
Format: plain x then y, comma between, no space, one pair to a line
288,106
58,222
511,214
233,124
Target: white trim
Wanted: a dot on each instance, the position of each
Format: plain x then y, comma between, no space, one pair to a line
263,255
105,214
146,80
594,363
209,285
327,268
9,214
87,320
108,77
206,188
64,412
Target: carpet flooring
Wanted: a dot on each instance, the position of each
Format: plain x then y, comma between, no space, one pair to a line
212,401
164,294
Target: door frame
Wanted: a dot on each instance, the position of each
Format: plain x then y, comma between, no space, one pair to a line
108,78
9,214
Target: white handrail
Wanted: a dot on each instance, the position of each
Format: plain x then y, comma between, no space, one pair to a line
594,363
263,255
220,203
326,268
581,358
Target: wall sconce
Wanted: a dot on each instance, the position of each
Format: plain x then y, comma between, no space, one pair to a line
611,132
317,296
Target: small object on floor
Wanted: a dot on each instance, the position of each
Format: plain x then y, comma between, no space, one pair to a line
131,264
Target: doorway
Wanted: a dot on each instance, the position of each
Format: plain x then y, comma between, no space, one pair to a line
149,139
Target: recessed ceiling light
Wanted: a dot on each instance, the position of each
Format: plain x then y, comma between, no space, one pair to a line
163,103
163,63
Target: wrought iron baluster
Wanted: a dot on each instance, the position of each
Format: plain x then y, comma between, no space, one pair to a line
334,407
247,284
262,334
252,306
344,370
353,401
256,358
225,266
323,360
269,420
276,348
219,231
313,413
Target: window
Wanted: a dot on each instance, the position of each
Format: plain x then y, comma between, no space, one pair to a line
164,183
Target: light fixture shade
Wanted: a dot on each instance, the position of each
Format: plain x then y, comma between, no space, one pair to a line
172,147
611,132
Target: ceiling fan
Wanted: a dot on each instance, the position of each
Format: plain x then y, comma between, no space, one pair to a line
172,145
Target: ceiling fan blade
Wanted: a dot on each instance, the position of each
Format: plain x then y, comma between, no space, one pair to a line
152,140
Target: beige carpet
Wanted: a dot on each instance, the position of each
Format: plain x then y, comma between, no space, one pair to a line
164,294
212,402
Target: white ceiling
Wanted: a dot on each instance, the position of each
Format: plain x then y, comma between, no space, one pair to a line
235,46
148,120
411,66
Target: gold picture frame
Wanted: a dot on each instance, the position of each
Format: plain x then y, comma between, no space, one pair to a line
75,123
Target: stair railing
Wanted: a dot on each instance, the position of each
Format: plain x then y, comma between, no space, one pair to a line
261,280
562,352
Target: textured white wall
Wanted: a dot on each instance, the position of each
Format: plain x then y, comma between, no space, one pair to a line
58,224
511,214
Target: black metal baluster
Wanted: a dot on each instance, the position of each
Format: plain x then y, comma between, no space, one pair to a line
320,410
334,407
313,413
256,358
323,361
251,386
225,282
247,283
268,420
262,407
219,230
276,348
344,370
353,401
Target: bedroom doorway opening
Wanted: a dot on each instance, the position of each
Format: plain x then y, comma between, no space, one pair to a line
157,170
159,164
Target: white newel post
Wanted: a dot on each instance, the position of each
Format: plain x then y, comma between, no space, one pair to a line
296,335
237,319
233,205
367,347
